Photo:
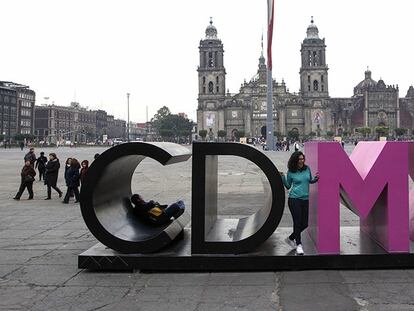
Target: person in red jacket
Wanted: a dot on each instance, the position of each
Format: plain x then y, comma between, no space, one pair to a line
84,171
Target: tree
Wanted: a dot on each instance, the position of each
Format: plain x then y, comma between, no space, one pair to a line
203,134
382,131
293,135
162,113
221,134
364,131
277,134
312,134
174,127
330,134
22,137
400,131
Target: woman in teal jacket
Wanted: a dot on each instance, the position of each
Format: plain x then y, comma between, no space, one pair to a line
298,178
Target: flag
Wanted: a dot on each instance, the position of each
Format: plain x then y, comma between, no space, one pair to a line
270,12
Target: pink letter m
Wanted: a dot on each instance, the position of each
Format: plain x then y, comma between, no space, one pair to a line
372,182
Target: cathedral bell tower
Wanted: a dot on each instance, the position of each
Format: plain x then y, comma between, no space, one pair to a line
314,71
211,83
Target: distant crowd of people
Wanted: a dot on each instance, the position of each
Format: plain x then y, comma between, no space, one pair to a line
75,174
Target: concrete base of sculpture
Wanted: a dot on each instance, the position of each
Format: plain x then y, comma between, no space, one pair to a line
358,251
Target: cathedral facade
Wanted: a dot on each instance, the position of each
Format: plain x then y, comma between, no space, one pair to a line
311,111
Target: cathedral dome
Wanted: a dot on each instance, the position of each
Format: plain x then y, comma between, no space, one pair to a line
312,31
364,84
211,31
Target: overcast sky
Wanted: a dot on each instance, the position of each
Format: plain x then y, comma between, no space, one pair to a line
95,51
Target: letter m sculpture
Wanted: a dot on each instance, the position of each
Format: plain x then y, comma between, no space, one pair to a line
372,182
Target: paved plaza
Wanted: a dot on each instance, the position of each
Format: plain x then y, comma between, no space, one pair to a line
40,241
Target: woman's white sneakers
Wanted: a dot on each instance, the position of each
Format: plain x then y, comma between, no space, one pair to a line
299,249
290,242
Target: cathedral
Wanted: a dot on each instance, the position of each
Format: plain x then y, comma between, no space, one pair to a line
310,112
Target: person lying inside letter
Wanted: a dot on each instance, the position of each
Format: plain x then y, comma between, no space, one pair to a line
155,213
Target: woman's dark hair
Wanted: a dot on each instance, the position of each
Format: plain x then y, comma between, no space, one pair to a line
85,162
67,160
53,155
293,161
74,163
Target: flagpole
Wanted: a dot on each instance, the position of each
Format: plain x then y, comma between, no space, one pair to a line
269,123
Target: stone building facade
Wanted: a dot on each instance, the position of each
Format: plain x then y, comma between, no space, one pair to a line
17,104
75,123
311,111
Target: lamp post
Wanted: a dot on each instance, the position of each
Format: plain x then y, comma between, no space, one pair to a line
128,117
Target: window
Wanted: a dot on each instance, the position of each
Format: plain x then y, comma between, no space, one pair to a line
315,59
26,112
309,79
322,78
25,123
210,59
217,89
309,88
217,80
210,87
322,88
204,80
315,85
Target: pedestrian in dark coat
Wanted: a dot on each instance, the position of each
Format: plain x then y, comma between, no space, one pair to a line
30,156
51,175
84,171
67,167
41,165
28,176
72,181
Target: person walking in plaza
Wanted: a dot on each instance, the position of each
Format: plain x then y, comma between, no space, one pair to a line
298,178
51,175
84,171
30,156
67,167
72,181
41,165
21,145
27,178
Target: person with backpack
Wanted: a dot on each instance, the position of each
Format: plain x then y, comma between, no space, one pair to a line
154,213
41,165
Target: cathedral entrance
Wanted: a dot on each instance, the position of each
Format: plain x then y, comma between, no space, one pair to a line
234,134
263,131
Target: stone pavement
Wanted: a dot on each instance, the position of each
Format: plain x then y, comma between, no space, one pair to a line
40,241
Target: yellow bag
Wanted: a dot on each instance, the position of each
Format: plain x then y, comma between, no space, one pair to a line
155,211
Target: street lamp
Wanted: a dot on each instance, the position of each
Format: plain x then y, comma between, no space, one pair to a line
128,116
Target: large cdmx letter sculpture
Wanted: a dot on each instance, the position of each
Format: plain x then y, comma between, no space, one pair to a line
372,182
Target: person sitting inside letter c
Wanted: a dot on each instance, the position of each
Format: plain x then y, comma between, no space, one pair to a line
155,213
